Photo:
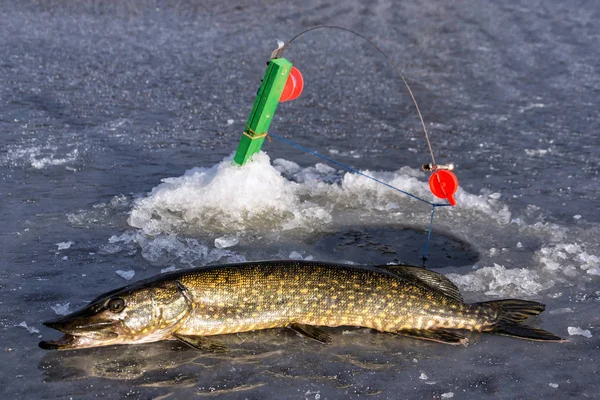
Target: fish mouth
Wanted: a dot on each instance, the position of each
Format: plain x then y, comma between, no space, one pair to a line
65,342
73,325
80,333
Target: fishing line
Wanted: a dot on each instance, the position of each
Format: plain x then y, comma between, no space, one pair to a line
354,170
279,52
439,187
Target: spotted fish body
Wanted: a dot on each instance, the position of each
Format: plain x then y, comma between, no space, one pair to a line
271,295
193,304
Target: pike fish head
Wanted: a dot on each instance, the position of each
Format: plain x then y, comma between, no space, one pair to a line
145,313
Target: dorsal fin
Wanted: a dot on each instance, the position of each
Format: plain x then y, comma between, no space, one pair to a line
432,279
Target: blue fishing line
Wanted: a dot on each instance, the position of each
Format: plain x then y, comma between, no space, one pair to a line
348,168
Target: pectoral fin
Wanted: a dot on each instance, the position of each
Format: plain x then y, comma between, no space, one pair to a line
311,332
201,343
440,336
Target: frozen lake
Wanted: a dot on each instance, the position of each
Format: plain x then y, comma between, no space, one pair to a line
118,120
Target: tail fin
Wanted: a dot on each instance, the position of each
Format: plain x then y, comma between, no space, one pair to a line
512,312
515,310
523,331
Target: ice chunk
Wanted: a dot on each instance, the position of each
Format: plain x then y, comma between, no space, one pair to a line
447,395
294,255
309,395
127,275
391,206
286,167
230,121
224,242
168,269
64,245
30,329
423,376
61,309
537,152
578,331
553,385
562,310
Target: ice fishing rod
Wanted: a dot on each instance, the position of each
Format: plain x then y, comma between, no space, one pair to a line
284,82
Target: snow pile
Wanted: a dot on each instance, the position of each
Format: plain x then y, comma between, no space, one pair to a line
223,198
260,197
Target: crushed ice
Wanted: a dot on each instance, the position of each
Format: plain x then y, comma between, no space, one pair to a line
30,329
226,241
64,245
127,275
578,331
61,309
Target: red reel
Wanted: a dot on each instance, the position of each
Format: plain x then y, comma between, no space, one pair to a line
293,86
444,184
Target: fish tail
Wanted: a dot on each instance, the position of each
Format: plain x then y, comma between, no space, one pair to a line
510,314
515,310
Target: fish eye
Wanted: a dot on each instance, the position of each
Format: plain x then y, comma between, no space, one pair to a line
116,305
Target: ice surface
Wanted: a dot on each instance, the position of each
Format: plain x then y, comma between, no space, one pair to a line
64,245
125,274
578,331
38,157
61,309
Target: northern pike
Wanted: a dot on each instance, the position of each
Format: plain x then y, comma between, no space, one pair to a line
194,304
